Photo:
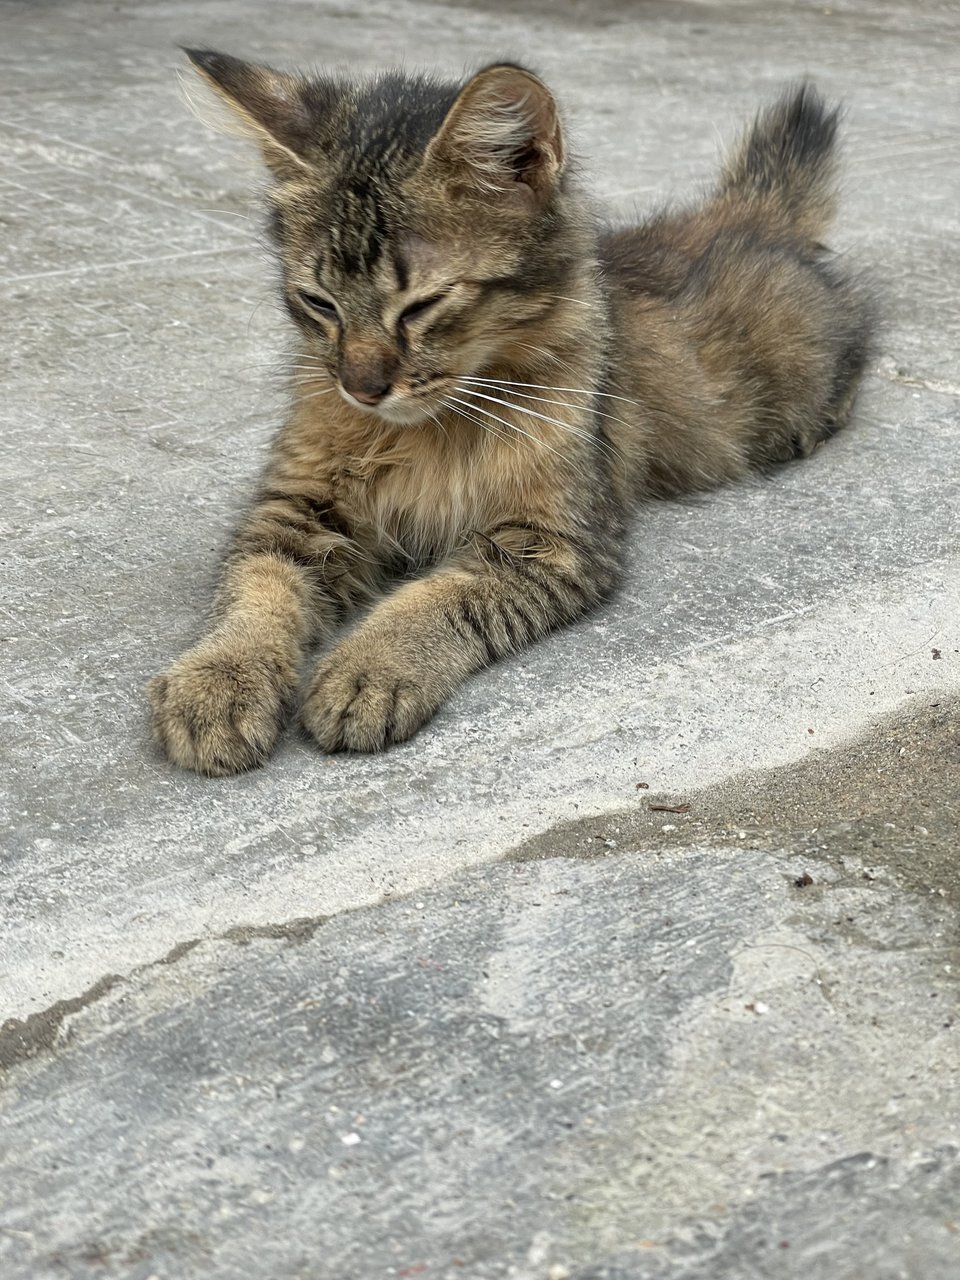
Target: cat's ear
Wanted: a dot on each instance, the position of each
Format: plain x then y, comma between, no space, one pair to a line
503,136
268,106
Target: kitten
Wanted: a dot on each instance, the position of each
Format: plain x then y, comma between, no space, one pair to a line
487,382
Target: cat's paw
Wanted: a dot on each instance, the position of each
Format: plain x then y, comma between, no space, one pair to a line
358,702
219,710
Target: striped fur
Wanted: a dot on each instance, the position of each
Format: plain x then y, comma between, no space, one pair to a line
486,383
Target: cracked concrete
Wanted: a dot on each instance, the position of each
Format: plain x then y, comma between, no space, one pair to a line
474,1008
617,1066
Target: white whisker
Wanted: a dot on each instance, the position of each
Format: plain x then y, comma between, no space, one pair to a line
539,386
587,437
565,404
552,357
532,413
435,418
512,426
232,213
542,351
485,426
562,297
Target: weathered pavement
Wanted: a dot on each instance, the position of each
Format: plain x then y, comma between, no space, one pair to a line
474,1008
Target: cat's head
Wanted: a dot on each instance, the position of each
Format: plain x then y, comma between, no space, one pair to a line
425,230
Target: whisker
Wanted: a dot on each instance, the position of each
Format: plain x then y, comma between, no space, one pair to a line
599,413
512,426
532,413
252,316
460,407
562,297
551,356
542,351
232,213
608,449
434,417
509,404
539,386
490,431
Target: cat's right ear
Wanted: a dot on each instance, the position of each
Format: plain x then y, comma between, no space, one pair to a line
266,105
503,137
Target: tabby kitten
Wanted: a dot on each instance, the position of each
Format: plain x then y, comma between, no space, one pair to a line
487,382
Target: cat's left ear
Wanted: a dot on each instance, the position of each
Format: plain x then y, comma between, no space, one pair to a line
269,106
502,136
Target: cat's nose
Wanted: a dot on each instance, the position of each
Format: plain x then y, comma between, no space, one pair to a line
369,394
367,370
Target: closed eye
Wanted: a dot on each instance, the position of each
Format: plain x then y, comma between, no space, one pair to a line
319,306
417,309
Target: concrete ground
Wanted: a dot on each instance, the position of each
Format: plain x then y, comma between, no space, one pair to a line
642,959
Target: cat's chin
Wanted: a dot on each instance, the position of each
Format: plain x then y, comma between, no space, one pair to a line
403,413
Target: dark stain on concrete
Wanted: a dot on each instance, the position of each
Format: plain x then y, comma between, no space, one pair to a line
24,1039
179,951
890,798
295,931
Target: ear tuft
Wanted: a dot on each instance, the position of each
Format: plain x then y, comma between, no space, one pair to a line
268,106
502,132
208,60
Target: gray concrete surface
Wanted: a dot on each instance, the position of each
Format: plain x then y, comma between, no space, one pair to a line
474,1008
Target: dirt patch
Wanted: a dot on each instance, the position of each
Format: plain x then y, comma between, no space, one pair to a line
23,1039
890,797
295,931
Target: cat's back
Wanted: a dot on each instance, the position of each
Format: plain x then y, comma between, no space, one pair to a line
652,259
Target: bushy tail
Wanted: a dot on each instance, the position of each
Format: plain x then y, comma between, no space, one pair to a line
784,167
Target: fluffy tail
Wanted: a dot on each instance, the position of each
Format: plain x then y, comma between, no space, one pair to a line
784,167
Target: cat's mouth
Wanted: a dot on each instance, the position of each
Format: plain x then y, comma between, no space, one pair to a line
395,409
397,406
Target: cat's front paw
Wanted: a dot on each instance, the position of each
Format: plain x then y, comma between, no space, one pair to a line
219,710
358,702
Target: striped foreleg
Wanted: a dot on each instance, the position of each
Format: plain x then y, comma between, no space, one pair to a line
294,568
510,586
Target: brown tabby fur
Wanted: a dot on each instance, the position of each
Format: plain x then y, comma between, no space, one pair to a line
487,383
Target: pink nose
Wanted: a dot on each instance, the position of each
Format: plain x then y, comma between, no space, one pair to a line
367,370
368,394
